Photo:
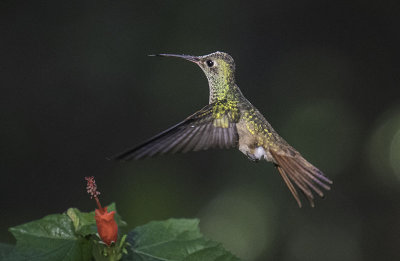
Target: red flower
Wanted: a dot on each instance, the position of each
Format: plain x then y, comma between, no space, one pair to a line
106,225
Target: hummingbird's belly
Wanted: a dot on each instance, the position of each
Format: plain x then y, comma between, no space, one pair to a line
249,144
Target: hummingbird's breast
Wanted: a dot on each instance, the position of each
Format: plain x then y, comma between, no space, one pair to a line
256,135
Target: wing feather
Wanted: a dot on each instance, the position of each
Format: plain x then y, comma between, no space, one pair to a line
202,130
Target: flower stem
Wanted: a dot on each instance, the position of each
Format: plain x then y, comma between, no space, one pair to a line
98,204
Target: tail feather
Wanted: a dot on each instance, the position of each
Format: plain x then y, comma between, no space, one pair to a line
290,185
303,174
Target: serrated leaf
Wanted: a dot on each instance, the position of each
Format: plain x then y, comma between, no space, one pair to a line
50,238
84,222
174,240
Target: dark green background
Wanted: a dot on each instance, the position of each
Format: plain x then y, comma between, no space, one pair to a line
76,86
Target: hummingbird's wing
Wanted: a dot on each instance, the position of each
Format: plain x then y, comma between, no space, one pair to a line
308,178
214,126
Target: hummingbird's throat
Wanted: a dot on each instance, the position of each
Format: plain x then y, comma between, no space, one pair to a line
222,85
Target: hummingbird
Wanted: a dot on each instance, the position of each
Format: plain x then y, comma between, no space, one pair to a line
231,121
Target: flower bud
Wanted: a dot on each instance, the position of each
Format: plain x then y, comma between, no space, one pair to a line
106,225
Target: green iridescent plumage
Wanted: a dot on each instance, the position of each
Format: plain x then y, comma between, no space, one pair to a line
230,120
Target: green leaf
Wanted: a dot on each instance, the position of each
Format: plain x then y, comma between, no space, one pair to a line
5,250
84,222
50,238
174,240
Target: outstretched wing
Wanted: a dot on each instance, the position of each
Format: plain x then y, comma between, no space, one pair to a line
214,126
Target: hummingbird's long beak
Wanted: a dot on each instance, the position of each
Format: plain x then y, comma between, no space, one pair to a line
194,59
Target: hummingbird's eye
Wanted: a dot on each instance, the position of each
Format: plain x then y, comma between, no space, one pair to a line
210,63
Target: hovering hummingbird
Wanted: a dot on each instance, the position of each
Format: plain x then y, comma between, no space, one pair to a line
231,121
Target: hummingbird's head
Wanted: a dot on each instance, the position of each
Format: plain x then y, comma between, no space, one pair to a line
219,68
218,64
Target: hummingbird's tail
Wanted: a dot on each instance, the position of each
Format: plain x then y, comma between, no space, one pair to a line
306,176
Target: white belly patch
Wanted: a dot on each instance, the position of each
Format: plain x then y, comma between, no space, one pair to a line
259,153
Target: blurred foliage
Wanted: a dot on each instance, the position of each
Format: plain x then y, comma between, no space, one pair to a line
384,148
77,87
